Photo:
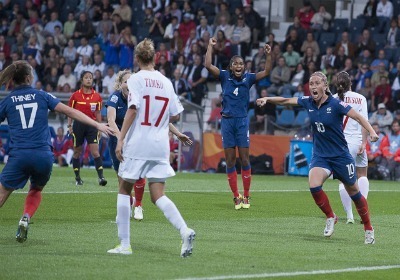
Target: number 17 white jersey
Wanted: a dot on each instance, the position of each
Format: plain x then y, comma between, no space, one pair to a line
351,128
155,100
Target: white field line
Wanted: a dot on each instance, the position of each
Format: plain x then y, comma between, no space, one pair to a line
184,191
297,273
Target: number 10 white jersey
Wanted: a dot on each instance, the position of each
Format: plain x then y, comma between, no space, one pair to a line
351,128
155,100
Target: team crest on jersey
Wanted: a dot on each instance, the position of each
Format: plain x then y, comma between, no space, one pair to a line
304,97
328,110
114,99
343,104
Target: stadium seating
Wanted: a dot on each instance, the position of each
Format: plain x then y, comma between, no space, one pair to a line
356,27
380,41
285,118
301,119
326,39
339,25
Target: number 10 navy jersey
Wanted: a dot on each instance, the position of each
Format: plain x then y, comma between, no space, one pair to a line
327,124
26,110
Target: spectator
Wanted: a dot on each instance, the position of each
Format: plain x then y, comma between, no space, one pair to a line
196,76
280,75
181,64
105,25
175,11
156,29
305,14
66,78
98,81
382,94
5,26
327,59
189,42
203,27
362,74
264,117
214,121
3,61
154,5
5,47
125,11
83,28
294,40
70,52
203,42
69,26
309,56
51,78
292,58
393,42
49,44
169,30
364,58
127,45
384,12
382,117
59,38
224,26
222,12
367,92
369,13
241,35
50,7
111,57
340,59
52,23
365,42
82,66
109,81
390,148
349,47
85,49
394,77
33,48
165,66
98,64
376,76
51,60
297,79
295,26
17,25
374,153
62,148
271,41
377,62
254,22
176,44
35,30
186,26
321,20
180,85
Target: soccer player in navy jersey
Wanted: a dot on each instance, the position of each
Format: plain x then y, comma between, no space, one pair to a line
117,105
330,152
31,157
234,123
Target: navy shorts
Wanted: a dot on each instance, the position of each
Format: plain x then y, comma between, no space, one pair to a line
343,167
24,164
235,132
112,144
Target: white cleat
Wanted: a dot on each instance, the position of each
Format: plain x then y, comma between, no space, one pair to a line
187,243
350,221
330,226
120,250
369,237
138,213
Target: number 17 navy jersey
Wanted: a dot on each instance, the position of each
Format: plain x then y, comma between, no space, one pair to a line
26,110
327,125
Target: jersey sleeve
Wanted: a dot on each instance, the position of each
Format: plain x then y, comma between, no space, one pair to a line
223,76
343,107
134,92
112,101
304,101
175,107
71,101
251,79
52,101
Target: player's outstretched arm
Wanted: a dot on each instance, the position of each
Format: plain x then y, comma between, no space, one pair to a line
211,68
364,123
111,116
268,64
182,137
81,117
277,100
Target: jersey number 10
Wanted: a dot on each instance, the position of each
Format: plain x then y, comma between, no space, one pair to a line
21,111
147,109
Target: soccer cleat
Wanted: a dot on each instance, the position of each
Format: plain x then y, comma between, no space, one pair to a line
78,181
22,231
187,243
246,202
238,201
369,237
330,226
102,181
138,213
350,221
120,250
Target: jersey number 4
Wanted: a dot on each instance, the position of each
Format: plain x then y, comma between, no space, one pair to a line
21,109
147,109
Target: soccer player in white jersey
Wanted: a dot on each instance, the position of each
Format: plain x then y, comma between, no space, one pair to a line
356,138
143,146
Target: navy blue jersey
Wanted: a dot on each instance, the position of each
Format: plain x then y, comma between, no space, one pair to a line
327,124
26,110
119,102
235,93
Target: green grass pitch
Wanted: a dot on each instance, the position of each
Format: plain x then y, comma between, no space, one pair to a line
280,236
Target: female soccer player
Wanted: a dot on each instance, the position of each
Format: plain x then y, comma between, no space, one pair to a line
356,138
143,146
117,106
330,151
234,123
88,101
31,157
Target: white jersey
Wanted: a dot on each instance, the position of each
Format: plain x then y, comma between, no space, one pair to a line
351,128
155,100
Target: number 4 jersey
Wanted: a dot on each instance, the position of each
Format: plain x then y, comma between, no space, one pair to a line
26,110
155,100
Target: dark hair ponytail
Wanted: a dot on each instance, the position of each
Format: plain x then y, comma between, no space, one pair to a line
16,72
343,84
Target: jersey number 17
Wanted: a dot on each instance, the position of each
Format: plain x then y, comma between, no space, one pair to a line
21,109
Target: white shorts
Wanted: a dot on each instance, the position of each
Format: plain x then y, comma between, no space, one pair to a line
154,170
360,160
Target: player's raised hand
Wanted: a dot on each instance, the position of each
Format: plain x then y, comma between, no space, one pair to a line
262,101
105,128
185,139
267,48
373,137
212,41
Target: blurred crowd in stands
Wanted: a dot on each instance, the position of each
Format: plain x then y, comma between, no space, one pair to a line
60,39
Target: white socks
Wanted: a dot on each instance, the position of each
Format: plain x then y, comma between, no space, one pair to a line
171,213
346,201
123,219
363,184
